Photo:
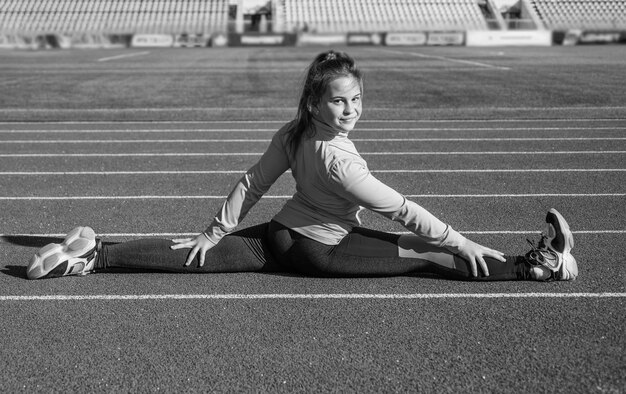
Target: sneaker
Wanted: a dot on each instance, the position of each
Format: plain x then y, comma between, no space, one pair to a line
553,250
76,255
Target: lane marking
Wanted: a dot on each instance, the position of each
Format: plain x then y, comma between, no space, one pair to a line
125,131
356,137
507,170
267,140
230,70
207,154
192,234
507,120
192,70
340,296
446,59
146,109
280,197
129,141
124,56
231,172
293,109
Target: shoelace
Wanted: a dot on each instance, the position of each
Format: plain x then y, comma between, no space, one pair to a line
539,255
541,244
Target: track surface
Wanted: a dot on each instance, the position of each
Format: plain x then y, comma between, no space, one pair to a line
148,143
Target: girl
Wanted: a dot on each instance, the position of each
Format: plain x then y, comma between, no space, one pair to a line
317,231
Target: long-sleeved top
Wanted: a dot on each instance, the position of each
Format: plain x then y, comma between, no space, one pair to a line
333,183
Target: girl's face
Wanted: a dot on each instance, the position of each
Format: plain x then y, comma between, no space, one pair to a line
340,106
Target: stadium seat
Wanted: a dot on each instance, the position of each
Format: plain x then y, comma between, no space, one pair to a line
336,16
581,14
113,16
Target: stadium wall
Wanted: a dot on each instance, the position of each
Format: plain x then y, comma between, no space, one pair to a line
418,38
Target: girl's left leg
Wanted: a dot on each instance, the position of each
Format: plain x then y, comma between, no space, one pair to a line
366,252
445,263
406,254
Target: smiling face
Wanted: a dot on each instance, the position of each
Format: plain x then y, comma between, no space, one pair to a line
340,106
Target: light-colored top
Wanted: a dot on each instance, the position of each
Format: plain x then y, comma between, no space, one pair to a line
333,184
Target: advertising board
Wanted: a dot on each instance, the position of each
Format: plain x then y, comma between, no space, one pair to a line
405,39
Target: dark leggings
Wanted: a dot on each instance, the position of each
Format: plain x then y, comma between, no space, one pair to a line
241,251
272,247
366,252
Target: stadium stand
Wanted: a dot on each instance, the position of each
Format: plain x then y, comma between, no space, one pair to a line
581,14
25,23
113,16
337,16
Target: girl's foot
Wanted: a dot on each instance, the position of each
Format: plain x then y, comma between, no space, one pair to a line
551,259
76,255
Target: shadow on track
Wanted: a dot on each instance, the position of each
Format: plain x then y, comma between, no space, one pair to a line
30,240
17,271
34,241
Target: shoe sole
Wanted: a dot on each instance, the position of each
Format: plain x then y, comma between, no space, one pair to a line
571,273
564,241
53,259
563,244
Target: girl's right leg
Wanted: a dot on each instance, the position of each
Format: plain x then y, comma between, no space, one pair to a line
80,253
241,251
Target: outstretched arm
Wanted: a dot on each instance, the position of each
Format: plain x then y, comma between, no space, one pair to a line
246,193
355,182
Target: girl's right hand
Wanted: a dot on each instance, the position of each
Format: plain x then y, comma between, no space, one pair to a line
198,245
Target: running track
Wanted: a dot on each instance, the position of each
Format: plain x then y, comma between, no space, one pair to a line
491,171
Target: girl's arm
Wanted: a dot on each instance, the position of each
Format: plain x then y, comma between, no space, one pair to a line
246,193
357,184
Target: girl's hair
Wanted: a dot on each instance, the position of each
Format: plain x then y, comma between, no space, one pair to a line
326,67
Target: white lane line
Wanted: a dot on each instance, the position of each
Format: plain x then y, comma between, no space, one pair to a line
127,131
235,70
231,172
157,122
267,140
356,136
207,154
146,141
188,70
280,197
46,173
146,109
4,237
331,296
445,59
293,109
519,170
124,56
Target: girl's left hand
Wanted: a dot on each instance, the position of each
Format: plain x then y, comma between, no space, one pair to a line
198,245
475,254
